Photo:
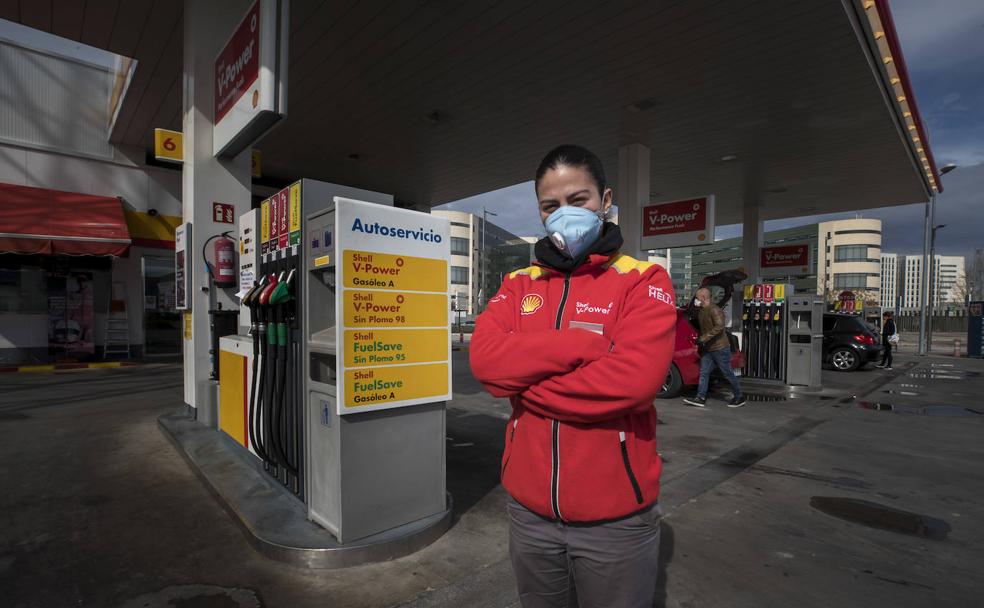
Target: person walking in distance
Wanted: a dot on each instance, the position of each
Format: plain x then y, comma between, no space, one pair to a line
715,350
580,343
889,337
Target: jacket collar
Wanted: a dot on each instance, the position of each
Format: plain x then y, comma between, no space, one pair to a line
600,252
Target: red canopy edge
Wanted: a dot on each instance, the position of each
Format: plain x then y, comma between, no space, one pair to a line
55,222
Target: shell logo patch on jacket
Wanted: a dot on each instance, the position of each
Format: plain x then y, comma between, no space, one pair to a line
531,304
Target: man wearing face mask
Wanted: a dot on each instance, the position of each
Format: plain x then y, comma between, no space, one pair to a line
715,350
580,343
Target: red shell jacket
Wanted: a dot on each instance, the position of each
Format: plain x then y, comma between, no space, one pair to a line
581,442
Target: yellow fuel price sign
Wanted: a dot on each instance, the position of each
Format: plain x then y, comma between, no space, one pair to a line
394,309
377,386
374,347
385,271
264,225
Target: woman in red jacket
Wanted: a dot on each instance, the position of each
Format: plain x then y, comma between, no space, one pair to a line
580,343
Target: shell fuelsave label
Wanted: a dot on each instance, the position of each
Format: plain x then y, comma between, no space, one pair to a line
386,271
380,385
374,347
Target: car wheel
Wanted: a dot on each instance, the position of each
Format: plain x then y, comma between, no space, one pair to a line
844,359
673,383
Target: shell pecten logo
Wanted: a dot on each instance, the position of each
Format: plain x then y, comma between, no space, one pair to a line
530,304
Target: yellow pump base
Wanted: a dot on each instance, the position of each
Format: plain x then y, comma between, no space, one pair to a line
235,376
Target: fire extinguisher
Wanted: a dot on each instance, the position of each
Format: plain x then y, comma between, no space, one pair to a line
223,270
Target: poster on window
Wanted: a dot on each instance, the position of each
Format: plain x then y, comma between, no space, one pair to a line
70,316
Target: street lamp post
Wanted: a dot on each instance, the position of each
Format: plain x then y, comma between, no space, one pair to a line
928,236
932,286
481,287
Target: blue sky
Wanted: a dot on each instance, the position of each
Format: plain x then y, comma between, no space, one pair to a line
943,44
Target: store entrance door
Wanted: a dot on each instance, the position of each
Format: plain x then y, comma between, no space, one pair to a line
162,323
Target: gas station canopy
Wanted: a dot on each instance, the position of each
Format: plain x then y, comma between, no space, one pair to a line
798,108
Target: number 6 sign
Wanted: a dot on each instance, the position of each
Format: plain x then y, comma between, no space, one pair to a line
168,145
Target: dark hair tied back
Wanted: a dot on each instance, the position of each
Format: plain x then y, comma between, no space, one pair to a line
573,156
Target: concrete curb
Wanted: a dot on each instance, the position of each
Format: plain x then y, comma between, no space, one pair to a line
54,367
274,521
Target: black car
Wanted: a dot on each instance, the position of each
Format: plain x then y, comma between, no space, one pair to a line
849,343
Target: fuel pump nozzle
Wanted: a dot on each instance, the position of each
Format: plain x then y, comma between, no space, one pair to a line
280,300
260,413
249,301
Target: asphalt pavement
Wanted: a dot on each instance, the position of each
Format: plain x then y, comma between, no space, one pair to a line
867,493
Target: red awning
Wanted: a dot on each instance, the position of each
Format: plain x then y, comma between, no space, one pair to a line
52,222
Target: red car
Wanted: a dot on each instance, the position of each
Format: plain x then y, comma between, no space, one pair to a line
685,369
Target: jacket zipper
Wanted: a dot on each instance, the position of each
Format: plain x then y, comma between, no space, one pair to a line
555,443
628,467
512,440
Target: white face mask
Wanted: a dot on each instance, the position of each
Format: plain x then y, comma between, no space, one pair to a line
573,229
696,302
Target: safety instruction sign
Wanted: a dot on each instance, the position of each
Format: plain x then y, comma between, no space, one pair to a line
393,336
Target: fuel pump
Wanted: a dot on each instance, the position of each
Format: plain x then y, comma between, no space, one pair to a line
757,329
767,340
778,347
764,322
311,410
745,328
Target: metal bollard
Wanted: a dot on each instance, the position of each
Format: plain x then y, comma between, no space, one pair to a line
956,347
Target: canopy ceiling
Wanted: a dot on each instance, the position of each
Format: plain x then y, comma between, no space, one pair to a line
437,101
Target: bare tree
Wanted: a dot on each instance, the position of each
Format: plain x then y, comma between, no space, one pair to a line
973,279
961,289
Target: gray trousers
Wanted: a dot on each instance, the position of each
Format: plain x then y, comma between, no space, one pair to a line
605,565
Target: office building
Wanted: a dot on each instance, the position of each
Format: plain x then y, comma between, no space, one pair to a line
948,275
889,294
505,252
846,256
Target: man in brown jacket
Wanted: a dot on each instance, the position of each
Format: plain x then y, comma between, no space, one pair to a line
716,350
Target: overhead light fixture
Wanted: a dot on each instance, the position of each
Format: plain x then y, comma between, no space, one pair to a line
727,158
887,59
868,4
879,35
900,98
642,105
434,117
